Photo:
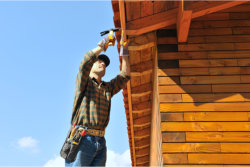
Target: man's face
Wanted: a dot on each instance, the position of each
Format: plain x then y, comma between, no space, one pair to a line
99,68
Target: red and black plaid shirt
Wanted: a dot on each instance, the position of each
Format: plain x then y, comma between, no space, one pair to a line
92,101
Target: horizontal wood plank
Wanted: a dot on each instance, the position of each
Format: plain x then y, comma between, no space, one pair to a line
186,89
183,107
236,88
204,55
220,23
214,46
168,117
212,63
206,147
205,126
235,147
216,116
239,15
241,30
213,16
175,158
169,80
173,137
208,80
218,97
170,98
211,31
191,147
217,39
204,71
217,136
239,8
219,158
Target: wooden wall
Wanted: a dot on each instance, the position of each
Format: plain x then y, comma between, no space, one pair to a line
204,90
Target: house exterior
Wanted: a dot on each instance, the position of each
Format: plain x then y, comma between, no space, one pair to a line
188,100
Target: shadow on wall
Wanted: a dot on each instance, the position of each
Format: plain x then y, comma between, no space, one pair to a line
200,72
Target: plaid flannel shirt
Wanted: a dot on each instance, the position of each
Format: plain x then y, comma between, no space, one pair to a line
92,102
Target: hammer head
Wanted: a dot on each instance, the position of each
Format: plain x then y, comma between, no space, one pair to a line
107,31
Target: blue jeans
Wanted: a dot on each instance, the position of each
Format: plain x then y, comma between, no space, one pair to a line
92,152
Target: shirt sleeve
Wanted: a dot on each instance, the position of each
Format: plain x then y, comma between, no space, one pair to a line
82,77
119,82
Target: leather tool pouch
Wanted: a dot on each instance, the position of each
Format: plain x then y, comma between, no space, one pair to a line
69,149
71,146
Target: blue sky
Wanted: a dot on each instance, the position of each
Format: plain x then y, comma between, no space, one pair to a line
41,47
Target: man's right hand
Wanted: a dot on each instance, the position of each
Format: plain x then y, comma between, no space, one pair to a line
109,40
123,46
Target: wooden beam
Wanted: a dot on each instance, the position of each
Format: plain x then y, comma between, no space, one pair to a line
141,47
183,21
123,26
198,9
206,7
152,23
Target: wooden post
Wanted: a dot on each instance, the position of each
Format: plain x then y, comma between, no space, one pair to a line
123,27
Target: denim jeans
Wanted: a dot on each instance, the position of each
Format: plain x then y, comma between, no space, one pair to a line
92,152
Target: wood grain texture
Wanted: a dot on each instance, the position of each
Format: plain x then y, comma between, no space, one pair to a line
218,97
206,147
216,116
170,98
210,79
213,46
204,71
211,63
220,23
173,137
219,158
132,10
217,137
191,147
205,126
237,88
175,158
204,55
186,89
216,39
168,117
147,8
183,107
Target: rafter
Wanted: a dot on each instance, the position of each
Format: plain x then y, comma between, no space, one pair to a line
169,17
184,17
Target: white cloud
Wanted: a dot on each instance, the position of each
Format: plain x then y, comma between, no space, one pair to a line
118,160
55,162
113,160
28,143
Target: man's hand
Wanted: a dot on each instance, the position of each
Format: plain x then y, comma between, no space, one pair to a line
125,55
109,40
124,47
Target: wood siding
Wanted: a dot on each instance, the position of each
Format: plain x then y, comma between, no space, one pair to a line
204,91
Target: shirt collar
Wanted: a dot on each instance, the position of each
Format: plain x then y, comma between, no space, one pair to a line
95,80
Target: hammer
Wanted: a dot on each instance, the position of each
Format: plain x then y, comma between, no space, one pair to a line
107,31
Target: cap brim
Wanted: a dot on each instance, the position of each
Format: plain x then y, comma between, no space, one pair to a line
105,59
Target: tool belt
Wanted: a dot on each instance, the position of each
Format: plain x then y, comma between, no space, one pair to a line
70,147
95,132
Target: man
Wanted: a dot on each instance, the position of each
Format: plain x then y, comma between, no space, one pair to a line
92,102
